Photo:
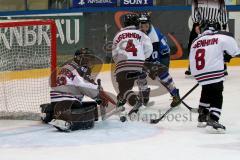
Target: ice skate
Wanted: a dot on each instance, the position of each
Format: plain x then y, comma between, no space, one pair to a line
176,99
202,117
214,127
202,121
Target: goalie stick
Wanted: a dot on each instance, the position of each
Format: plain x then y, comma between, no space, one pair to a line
104,93
154,121
104,114
102,108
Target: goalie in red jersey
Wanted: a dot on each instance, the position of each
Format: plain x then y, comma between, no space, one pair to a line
67,111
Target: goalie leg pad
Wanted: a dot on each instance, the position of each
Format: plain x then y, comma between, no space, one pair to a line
46,112
81,116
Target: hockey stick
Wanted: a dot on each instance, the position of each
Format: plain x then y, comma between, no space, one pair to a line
194,110
154,121
102,108
117,109
104,93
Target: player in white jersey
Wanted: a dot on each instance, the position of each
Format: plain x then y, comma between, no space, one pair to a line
207,66
207,10
73,82
130,49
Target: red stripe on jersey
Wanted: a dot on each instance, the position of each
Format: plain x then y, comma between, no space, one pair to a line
210,76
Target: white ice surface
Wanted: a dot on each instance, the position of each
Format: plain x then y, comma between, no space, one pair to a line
177,139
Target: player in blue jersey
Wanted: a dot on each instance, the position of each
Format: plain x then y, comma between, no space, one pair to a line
160,56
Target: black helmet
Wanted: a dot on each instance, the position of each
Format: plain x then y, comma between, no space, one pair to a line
144,18
130,20
81,56
210,25
81,51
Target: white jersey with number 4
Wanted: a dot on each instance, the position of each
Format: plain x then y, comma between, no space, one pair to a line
130,49
207,56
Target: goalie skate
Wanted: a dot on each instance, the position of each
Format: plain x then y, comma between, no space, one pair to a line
61,125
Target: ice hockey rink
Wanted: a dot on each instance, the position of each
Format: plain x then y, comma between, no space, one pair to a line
172,139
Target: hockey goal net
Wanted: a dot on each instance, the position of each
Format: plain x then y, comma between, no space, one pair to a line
27,67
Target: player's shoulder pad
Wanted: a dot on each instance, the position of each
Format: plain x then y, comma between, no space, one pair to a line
225,33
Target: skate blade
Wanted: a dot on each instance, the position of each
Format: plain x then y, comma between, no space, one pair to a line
212,130
202,124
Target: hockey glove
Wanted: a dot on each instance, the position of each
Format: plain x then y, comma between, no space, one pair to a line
154,69
165,52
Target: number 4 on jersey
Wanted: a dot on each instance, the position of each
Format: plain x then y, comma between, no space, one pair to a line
131,47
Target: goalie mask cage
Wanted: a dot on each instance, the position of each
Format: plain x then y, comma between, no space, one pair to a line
27,67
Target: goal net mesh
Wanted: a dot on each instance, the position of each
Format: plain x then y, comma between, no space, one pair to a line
27,59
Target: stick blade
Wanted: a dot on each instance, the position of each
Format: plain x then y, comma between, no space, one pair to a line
154,121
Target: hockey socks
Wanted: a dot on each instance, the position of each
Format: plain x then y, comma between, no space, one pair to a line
167,81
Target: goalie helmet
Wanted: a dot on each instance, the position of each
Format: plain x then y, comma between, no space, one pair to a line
82,51
130,20
81,56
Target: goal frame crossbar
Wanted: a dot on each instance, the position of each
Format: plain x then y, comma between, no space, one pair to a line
53,30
